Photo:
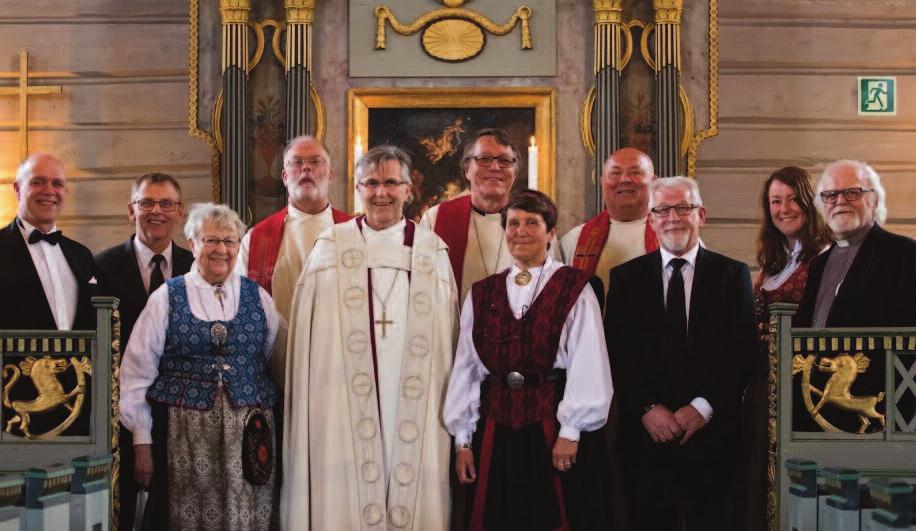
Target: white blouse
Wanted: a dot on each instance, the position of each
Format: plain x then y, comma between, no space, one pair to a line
582,353
140,363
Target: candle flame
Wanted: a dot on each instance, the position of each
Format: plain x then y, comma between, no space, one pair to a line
532,141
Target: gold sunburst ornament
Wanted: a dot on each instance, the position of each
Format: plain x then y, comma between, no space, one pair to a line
523,277
453,40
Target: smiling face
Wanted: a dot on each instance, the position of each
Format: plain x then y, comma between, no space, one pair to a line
844,217
215,262
41,194
384,203
154,227
527,237
307,175
785,210
677,234
624,184
492,184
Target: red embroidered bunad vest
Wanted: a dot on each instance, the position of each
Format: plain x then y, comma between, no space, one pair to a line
527,346
452,222
266,238
593,237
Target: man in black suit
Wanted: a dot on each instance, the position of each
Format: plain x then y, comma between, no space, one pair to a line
680,333
134,269
868,276
48,280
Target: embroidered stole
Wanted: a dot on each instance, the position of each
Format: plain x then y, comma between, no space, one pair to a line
593,237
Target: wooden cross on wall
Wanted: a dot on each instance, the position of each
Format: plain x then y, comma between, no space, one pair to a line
23,90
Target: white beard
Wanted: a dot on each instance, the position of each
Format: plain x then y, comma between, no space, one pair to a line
677,242
845,224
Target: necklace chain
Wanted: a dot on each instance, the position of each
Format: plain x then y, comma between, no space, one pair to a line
483,258
390,290
534,293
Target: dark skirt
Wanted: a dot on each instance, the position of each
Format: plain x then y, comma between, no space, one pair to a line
517,487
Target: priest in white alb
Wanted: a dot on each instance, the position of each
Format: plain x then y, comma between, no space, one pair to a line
274,252
372,333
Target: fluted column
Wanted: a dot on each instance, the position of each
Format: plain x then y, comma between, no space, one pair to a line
608,51
234,17
299,15
667,80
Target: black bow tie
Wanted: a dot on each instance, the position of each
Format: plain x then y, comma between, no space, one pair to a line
51,237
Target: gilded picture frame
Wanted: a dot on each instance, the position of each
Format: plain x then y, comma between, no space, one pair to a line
414,105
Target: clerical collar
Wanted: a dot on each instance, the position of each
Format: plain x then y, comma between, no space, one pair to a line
483,213
294,212
397,227
857,238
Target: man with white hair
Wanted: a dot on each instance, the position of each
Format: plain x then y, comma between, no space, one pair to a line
868,276
680,332
47,278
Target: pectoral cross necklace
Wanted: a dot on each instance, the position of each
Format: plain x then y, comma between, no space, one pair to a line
384,321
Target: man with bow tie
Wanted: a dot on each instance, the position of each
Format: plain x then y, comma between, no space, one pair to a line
47,279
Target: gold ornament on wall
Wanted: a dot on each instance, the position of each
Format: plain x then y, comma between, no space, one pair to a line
452,34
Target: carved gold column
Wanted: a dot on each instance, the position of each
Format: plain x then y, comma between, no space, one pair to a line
299,16
608,51
667,80
234,16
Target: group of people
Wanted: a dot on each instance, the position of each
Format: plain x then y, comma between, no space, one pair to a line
325,371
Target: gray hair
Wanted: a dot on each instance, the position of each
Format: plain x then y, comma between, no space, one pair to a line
865,173
380,155
675,182
302,139
219,215
25,170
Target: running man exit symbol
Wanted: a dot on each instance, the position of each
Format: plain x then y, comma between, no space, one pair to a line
878,95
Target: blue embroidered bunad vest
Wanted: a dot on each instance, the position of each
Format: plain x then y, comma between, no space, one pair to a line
189,369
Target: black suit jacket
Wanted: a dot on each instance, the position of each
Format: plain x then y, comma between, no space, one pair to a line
121,277
25,306
721,347
879,288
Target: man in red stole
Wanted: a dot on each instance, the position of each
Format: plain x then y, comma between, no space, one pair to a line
274,251
471,224
620,232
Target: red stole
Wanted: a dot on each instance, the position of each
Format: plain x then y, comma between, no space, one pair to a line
266,238
594,236
452,224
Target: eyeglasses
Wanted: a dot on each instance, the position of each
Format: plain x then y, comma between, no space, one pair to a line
373,185
682,210
850,194
485,161
230,243
314,162
166,205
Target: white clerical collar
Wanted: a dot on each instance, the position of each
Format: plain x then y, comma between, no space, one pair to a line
27,228
196,279
146,254
857,237
295,213
690,256
396,228
533,270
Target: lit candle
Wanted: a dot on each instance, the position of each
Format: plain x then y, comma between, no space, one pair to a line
357,154
532,166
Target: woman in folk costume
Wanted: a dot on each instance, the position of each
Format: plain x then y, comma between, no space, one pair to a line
195,389
791,235
531,387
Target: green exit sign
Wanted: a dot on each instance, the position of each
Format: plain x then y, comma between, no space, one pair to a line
878,95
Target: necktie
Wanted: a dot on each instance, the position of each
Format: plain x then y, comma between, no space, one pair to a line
52,237
156,279
676,321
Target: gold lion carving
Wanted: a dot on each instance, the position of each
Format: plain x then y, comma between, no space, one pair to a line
844,369
51,394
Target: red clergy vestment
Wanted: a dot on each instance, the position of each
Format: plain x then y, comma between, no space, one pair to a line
593,237
452,222
266,238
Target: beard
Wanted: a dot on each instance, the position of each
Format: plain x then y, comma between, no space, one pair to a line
675,242
845,224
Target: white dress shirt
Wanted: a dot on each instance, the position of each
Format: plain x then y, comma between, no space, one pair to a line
582,352
145,261
140,365
687,270
57,279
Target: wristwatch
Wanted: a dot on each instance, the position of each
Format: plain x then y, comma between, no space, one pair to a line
647,408
463,446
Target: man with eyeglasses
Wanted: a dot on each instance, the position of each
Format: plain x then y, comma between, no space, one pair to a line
621,231
868,276
131,271
274,252
46,278
372,336
471,224
681,338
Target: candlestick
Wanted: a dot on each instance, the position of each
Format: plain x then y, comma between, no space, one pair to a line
357,154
